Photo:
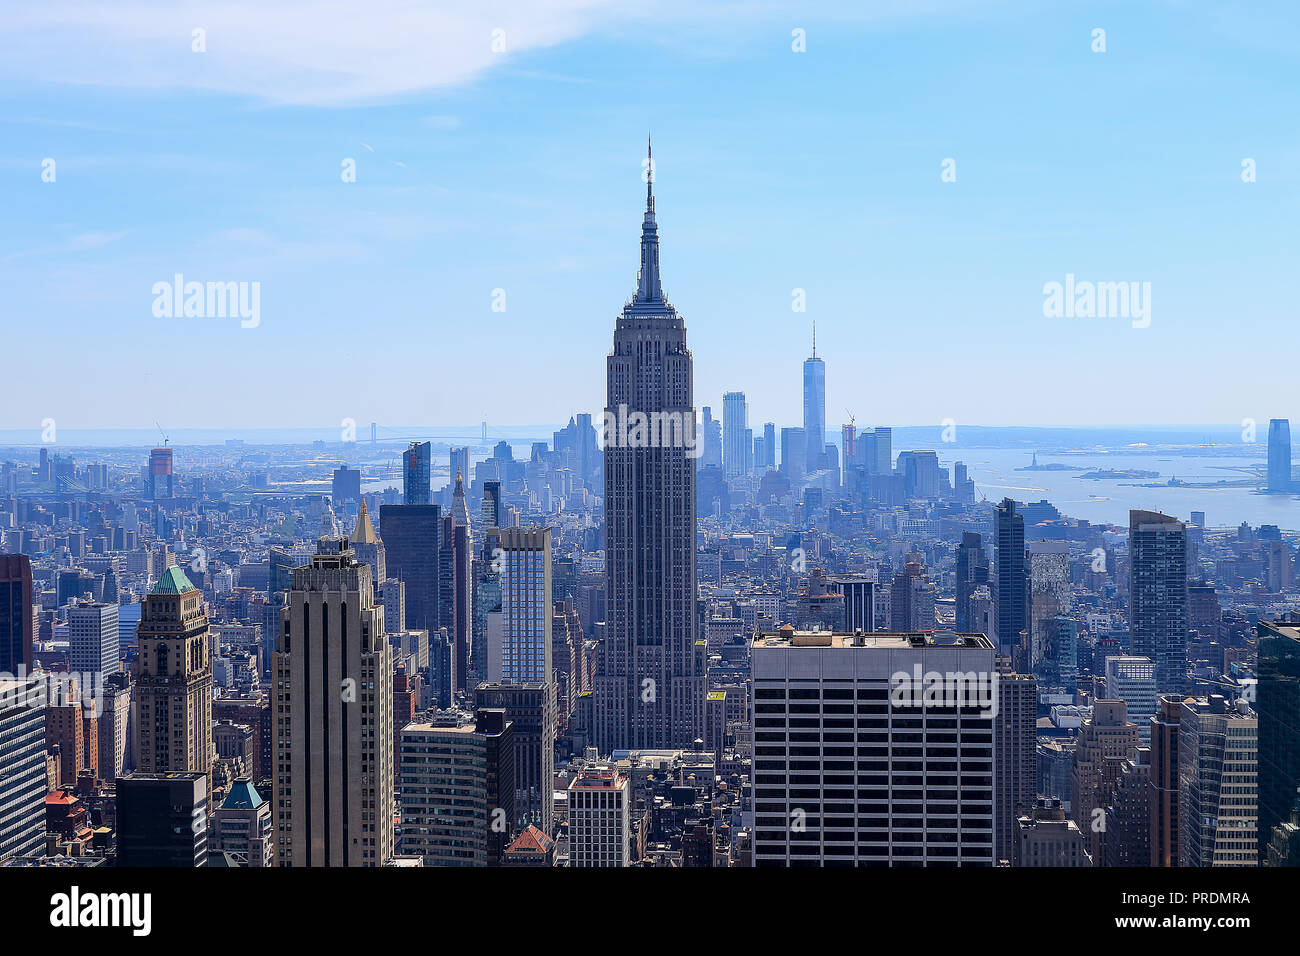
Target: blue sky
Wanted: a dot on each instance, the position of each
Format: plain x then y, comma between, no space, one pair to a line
521,171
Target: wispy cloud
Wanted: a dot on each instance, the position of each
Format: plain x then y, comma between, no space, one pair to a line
318,52
82,242
340,52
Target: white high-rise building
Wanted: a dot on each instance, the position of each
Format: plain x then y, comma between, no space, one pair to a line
1133,680
599,818
737,439
873,749
92,634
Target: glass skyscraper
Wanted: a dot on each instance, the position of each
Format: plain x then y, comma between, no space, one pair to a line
415,473
1279,455
814,409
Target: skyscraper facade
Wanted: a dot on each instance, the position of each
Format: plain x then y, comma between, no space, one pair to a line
840,755
22,781
530,708
651,687
451,767
1158,611
1279,455
160,473
1015,759
1217,773
736,457
1012,593
173,680
526,605
412,536
92,633
158,817
972,572
600,824
16,636
1164,780
1277,702
814,409
416,465
333,700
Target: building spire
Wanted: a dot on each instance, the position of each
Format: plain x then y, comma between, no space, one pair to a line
814,355
649,288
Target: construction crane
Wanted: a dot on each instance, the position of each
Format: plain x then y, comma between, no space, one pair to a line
163,433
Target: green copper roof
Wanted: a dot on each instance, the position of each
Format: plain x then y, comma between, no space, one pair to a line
243,796
173,581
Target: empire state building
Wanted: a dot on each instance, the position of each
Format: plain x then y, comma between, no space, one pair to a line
650,689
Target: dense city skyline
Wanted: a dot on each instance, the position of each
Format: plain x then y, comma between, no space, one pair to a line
733,612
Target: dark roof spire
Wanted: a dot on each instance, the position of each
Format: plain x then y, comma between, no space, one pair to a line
649,288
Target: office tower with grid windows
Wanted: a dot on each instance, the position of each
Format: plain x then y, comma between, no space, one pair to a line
455,790
1218,800
855,765
526,604
1133,680
22,779
600,817
92,638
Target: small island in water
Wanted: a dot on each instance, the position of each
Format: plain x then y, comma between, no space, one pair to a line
1050,466
1107,474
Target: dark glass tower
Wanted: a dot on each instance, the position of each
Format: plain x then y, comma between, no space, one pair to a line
413,545
1278,707
651,686
1012,581
416,464
972,571
1158,611
1279,455
16,635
